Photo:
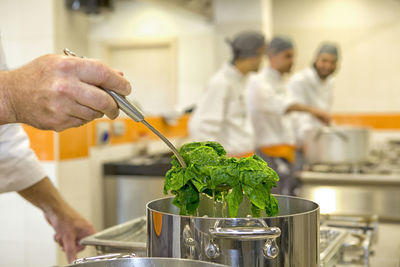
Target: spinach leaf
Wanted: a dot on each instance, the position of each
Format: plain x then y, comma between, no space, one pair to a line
208,168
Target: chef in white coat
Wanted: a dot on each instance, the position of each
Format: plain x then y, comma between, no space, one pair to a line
270,105
221,114
313,86
51,92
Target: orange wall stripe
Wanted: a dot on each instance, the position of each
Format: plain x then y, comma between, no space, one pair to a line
131,133
42,142
379,121
74,143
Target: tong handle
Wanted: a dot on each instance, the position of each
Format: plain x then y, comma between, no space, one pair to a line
126,106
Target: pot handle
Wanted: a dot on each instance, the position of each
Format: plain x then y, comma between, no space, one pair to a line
257,231
105,257
338,133
245,233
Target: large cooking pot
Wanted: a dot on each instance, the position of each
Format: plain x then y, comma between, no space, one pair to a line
336,145
129,261
289,239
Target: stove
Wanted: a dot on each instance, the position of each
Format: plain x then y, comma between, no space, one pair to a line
358,236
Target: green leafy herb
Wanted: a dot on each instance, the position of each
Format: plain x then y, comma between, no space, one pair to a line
208,168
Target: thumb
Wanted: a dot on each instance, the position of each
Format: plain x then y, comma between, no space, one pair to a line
69,247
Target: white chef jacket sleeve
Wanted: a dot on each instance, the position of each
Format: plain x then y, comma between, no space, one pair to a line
262,97
297,88
208,117
19,166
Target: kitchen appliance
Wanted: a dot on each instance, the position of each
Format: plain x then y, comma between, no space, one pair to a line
136,180
289,239
362,235
334,145
118,260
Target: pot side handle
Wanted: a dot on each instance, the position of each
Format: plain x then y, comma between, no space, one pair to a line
246,233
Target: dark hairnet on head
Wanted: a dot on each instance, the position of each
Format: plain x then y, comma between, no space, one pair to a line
246,44
279,44
328,48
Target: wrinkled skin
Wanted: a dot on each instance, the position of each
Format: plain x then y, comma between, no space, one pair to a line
57,92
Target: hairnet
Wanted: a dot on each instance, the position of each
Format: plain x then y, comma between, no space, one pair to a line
328,48
279,44
246,44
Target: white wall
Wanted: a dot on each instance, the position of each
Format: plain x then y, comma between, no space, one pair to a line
145,19
27,29
368,32
231,17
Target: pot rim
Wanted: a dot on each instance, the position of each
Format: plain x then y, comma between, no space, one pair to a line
316,209
159,259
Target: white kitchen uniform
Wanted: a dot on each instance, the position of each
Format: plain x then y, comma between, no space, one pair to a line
274,135
268,102
307,88
221,114
19,166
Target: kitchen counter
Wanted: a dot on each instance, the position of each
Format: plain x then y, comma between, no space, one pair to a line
351,178
353,193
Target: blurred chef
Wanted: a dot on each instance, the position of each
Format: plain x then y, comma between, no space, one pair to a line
221,114
313,86
269,106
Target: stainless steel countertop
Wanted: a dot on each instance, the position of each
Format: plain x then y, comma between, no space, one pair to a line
362,178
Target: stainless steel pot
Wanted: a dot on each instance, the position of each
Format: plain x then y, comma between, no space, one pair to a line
289,239
118,260
336,145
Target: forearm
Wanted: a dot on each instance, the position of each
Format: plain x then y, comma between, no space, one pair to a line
68,225
46,197
319,114
299,107
6,111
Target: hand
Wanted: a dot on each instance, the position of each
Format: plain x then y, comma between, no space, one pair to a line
58,92
321,115
70,228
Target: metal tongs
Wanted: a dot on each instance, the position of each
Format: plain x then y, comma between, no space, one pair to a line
134,113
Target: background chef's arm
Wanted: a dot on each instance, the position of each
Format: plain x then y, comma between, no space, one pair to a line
319,114
262,97
207,120
297,89
69,226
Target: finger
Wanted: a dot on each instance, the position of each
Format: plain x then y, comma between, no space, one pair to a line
71,122
94,98
58,240
96,73
70,247
79,247
84,113
119,72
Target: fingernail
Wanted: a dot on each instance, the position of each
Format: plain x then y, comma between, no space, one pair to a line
128,87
